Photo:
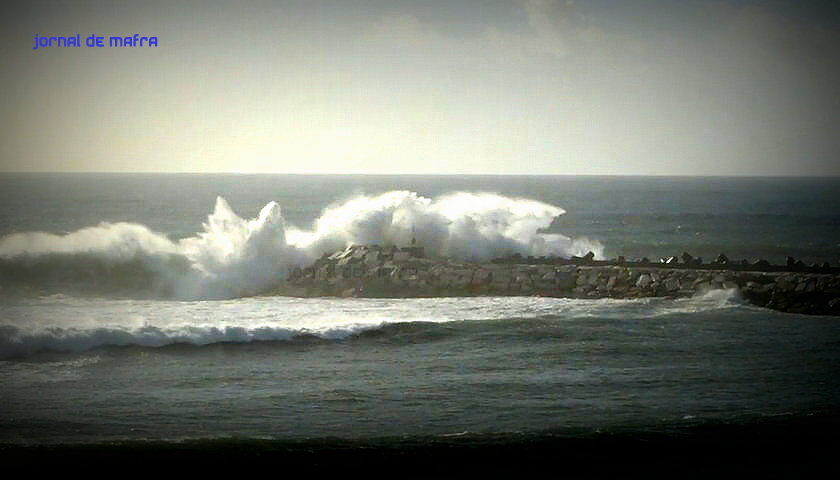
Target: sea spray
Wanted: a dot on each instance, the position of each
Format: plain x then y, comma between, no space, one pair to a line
233,256
467,226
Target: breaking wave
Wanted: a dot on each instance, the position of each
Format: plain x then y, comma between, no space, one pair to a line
62,324
16,343
234,256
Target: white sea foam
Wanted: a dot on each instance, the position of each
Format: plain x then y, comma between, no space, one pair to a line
710,300
234,256
80,324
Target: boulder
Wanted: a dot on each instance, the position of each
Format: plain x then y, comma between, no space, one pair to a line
565,280
834,306
481,277
401,256
644,281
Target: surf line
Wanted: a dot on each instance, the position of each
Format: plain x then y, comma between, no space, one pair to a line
135,40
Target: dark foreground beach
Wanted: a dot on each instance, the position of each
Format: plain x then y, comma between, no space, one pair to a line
774,447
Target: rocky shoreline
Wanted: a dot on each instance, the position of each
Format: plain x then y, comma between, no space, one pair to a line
374,271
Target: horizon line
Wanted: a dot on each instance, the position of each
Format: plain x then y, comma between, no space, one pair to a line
663,175
357,174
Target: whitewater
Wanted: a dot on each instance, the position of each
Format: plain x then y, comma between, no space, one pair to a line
59,323
234,256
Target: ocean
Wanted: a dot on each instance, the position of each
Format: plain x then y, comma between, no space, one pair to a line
132,313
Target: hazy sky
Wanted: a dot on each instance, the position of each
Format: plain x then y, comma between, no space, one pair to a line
497,86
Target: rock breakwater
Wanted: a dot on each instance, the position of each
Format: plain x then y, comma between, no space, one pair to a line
374,271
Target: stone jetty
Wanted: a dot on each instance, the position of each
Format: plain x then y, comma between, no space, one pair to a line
379,271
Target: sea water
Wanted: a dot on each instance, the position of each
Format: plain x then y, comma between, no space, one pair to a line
130,308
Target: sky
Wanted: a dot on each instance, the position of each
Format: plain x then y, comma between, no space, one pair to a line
622,87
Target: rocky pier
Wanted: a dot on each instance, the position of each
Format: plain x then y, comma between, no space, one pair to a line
378,271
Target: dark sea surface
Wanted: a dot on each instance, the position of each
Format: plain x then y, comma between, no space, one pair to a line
90,353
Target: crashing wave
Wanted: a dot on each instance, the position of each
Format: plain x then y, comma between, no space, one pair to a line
233,256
